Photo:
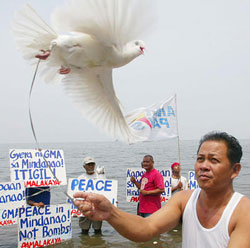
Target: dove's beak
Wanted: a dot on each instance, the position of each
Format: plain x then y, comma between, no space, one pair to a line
142,50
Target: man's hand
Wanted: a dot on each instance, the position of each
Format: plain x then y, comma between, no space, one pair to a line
132,179
144,192
179,185
94,206
36,204
39,204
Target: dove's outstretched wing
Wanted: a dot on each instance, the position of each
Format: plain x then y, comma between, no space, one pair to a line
92,91
113,22
31,33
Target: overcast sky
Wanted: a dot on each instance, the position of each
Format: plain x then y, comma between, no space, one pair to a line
200,51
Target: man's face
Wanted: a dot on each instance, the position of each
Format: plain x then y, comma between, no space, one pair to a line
147,164
176,169
212,167
90,168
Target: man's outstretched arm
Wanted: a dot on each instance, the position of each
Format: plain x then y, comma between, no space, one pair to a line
97,208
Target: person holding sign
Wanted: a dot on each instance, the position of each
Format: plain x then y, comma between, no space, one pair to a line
214,215
89,166
178,182
38,196
151,187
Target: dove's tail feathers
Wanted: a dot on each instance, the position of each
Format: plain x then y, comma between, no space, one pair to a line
111,21
98,102
31,33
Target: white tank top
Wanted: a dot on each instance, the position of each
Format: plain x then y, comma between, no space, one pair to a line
196,236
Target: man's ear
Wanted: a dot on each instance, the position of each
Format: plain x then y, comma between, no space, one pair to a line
236,170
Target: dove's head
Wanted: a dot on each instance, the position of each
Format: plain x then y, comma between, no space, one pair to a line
135,48
139,46
129,52
132,50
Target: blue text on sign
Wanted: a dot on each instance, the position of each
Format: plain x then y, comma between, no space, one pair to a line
91,185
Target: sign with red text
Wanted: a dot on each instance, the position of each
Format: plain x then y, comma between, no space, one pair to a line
35,167
12,197
38,227
132,193
106,187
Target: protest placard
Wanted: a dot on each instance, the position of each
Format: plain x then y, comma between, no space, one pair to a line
29,165
12,197
38,227
106,187
192,182
132,193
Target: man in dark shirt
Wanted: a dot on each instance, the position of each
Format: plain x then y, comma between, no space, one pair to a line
38,196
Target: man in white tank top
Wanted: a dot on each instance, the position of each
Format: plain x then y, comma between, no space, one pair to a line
214,216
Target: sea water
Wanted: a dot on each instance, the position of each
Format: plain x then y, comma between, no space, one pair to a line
116,158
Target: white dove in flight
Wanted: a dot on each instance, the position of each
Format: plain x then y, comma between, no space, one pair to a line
98,35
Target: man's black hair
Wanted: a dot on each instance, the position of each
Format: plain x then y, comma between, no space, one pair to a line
149,156
234,149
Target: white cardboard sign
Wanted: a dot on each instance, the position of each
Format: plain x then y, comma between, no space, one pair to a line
29,165
106,187
38,227
12,197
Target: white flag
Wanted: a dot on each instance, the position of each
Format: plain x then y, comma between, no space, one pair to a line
155,122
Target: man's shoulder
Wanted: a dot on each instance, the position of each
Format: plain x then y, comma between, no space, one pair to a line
184,193
101,176
180,199
183,196
155,171
240,220
82,176
244,206
92,176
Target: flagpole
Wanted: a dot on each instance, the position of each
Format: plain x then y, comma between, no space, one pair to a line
179,150
178,136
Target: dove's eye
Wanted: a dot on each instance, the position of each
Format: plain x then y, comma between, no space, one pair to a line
137,43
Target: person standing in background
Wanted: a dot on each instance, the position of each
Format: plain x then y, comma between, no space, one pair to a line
91,173
151,187
178,182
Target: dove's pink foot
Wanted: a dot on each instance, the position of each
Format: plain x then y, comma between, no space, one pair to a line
64,70
44,55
